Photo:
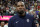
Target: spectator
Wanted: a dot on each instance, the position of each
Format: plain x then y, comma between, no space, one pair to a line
36,12
6,25
7,7
2,24
26,6
12,11
39,18
27,12
35,3
2,7
14,7
4,12
7,12
32,7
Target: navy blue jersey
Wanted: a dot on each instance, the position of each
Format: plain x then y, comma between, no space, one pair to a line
22,21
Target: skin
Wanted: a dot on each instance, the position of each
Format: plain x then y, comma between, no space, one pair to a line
20,6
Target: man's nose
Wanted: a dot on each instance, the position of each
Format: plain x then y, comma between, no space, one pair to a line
21,8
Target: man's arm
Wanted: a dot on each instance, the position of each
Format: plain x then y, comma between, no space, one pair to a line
10,23
34,23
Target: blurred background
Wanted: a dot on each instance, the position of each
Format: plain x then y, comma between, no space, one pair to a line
8,9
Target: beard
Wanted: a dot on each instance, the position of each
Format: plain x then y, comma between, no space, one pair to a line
20,12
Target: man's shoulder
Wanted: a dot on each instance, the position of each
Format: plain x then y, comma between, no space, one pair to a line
14,17
29,16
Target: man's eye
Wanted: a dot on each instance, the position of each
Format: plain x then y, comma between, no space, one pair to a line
22,5
18,6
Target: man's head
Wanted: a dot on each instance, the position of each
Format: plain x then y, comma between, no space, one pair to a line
20,7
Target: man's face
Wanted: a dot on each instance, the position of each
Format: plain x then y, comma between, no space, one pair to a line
20,8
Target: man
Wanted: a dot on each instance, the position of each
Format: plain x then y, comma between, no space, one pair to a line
21,19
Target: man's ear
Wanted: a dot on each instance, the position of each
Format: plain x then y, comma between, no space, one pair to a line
16,10
25,9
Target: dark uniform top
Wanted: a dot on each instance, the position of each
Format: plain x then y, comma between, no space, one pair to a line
22,21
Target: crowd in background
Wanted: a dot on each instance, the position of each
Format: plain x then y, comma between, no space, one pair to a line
4,24
9,8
